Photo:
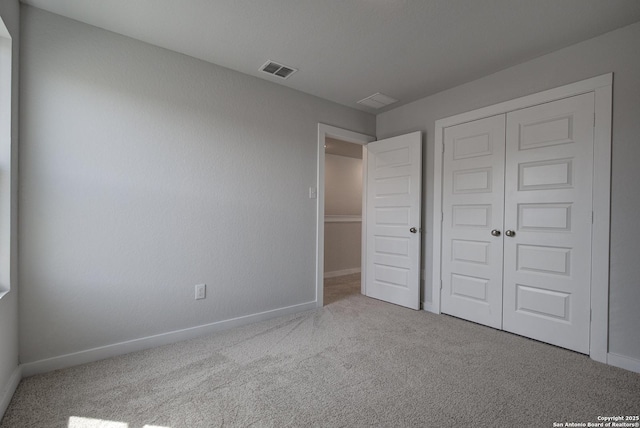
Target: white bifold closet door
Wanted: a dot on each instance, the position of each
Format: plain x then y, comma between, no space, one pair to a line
517,218
473,206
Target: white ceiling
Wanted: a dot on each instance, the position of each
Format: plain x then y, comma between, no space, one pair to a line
346,50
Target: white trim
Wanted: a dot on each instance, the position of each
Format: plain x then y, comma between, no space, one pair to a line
4,31
623,362
341,272
570,90
342,219
10,389
363,248
602,88
430,307
325,131
601,222
437,217
6,136
102,352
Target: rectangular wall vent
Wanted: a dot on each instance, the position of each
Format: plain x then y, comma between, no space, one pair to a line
279,70
377,100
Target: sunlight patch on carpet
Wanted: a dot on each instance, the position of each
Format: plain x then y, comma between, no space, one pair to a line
80,422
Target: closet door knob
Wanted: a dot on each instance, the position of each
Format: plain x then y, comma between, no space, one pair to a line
495,232
413,230
510,233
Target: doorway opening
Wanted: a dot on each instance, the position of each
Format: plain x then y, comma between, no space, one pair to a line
342,219
342,214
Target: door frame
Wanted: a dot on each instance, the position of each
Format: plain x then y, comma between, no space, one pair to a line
325,131
601,86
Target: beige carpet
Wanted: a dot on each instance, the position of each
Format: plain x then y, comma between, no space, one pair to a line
355,362
341,287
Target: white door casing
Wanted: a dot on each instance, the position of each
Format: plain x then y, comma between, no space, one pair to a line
393,201
473,202
548,194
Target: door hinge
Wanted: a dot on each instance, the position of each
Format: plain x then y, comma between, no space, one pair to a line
441,216
590,315
594,119
592,215
442,147
440,284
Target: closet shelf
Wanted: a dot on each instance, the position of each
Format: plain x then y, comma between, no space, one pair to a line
342,219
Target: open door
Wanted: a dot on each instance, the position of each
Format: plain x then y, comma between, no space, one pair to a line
393,230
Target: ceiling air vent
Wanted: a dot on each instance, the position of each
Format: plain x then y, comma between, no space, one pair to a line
278,70
377,100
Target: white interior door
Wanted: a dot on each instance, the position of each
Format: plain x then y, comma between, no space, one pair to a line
548,218
394,180
473,202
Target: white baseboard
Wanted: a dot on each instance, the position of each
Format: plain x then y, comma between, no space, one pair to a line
9,390
623,362
102,352
341,272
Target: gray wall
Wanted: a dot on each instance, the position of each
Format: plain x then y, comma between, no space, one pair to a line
144,172
9,10
342,247
618,52
343,185
342,196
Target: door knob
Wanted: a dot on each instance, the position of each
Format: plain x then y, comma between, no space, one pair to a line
413,230
510,233
495,232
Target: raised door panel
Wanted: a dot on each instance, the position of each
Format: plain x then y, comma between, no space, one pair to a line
473,194
548,205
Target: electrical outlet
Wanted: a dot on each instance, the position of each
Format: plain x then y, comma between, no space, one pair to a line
201,290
